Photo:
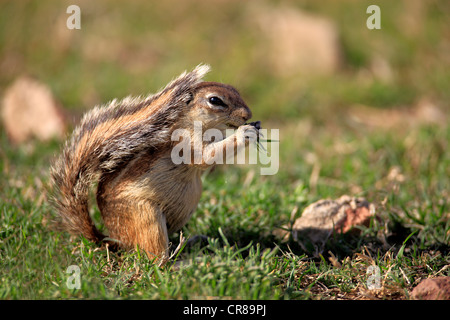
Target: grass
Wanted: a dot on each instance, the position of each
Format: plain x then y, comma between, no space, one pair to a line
403,168
242,259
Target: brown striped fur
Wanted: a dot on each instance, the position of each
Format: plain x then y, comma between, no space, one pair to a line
125,146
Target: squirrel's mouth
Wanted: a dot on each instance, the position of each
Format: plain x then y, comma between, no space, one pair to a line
232,126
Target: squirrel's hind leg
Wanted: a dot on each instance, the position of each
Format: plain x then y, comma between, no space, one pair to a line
139,223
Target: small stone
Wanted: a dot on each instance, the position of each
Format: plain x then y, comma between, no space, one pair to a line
432,289
297,41
320,219
29,110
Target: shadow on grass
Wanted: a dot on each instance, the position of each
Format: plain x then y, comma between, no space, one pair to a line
336,245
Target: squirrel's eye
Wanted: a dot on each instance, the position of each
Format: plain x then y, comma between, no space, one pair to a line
216,101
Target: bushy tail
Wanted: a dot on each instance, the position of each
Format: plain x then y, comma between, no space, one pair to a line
72,177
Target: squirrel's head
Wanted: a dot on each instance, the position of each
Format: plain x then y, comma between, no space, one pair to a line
218,106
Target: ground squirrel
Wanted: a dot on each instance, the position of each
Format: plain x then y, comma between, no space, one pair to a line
126,148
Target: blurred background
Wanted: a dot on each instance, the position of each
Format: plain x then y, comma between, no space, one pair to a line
288,58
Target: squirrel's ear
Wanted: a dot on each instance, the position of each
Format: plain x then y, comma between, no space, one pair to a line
190,98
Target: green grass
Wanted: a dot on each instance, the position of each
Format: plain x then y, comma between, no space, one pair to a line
242,259
403,169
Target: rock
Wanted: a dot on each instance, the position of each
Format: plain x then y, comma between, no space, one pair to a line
424,111
296,41
30,110
320,219
432,289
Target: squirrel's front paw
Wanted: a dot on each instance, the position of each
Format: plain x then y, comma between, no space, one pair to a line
248,132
